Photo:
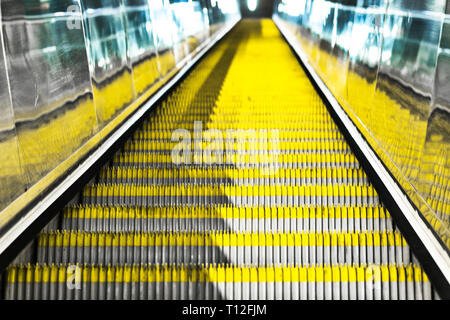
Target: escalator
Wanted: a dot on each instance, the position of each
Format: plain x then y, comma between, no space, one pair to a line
239,185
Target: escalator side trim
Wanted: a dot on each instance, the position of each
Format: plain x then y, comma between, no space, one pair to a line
426,245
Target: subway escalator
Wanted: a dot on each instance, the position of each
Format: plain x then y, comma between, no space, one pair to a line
224,150
272,204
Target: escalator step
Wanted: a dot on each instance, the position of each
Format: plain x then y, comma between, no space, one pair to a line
306,248
146,281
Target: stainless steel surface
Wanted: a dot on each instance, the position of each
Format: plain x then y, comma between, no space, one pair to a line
341,38
393,85
404,92
49,80
141,44
165,31
12,182
366,40
109,59
194,30
407,65
434,175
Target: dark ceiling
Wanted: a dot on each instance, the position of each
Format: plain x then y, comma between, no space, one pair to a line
264,9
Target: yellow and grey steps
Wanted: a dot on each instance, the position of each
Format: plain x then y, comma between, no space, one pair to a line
237,195
247,145
301,248
246,160
237,124
191,282
313,118
329,131
230,175
227,218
